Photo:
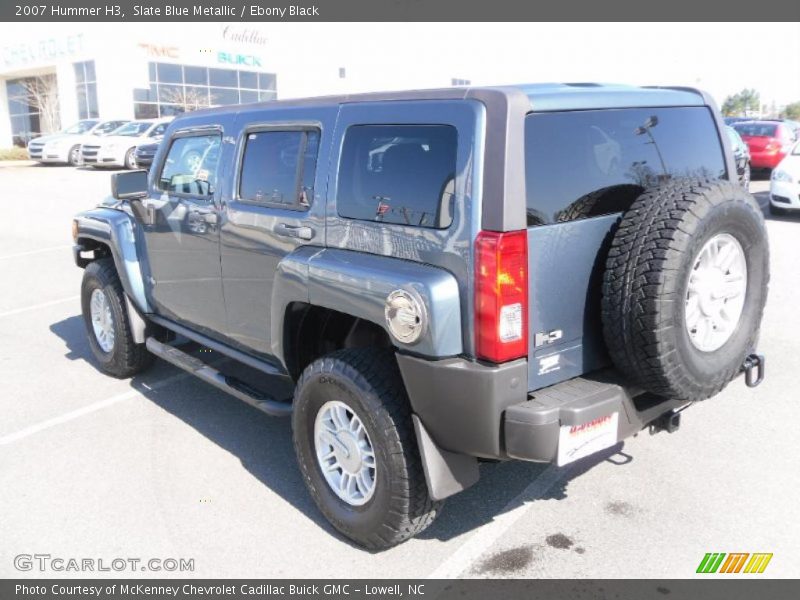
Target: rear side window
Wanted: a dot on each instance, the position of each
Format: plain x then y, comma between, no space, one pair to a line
581,164
278,168
191,166
400,174
756,129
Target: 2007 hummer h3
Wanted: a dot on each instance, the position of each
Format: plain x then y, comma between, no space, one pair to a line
447,276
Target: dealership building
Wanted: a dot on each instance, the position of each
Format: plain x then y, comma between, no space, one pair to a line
55,74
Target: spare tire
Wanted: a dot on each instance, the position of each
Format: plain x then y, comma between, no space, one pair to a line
685,286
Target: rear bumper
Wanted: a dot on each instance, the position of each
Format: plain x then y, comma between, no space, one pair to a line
766,160
486,411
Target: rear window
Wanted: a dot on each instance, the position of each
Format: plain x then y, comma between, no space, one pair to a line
401,174
581,164
756,129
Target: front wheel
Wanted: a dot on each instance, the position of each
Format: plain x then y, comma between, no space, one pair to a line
74,156
130,159
105,316
356,448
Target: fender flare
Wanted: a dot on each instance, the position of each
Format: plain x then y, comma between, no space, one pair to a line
358,284
115,229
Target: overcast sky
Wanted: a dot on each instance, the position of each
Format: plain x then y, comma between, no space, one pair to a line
719,57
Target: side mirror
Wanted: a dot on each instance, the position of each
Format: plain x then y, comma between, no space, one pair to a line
130,185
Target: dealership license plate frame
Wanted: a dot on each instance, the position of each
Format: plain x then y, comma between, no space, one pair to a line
578,441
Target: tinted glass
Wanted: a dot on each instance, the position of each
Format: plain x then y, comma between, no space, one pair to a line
756,129
145,111
403,174
248,79
222,96
266,81
196,75
191,166
580,164
223,77
169,73
133,128
278,168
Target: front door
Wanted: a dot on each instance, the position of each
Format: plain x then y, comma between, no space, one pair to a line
276,206
181,232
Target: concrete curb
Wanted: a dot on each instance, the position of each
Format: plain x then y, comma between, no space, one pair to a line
17,163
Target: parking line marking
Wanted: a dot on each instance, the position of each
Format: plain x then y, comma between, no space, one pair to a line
86,410
17,311
486,535
39,251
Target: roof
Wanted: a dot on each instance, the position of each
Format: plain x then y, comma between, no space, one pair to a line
542,96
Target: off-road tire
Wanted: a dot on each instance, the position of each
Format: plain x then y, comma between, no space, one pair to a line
130,159
369,382
646,278
126,357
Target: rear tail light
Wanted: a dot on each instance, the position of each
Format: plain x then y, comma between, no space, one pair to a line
772,146
501,295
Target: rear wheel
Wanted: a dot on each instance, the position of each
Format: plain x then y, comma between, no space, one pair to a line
105,316
685,287
356,448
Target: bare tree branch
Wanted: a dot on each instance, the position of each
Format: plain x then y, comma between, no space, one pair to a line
42,92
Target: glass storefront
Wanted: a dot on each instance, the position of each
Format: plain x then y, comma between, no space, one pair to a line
86,88
174,89
25,114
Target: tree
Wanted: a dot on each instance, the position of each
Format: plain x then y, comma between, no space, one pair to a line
42,92
792,111
188,98
746,101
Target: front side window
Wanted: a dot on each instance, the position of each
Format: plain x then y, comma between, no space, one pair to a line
191,166
278,168
580,164
400,174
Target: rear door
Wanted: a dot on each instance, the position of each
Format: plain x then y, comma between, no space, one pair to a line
583,168
275,206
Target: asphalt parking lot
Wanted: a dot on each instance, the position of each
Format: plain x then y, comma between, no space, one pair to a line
164,466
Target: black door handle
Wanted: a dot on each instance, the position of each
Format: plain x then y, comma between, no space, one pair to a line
294,231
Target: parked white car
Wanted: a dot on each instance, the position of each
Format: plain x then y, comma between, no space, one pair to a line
118,148
64,147
784,187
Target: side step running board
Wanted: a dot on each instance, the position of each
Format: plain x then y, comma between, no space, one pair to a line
231,385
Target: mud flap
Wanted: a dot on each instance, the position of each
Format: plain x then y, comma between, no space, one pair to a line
446,473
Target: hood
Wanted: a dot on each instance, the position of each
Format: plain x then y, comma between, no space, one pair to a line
107,140
51,137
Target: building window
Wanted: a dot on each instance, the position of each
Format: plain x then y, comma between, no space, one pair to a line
174,89
32,107
86,88
458,82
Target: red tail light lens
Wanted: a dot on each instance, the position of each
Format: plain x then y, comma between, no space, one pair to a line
501,295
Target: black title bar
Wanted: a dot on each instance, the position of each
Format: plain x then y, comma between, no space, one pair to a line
396,10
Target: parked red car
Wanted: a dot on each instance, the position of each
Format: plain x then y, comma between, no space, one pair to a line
768,141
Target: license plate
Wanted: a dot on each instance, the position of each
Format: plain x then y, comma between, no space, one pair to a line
577,441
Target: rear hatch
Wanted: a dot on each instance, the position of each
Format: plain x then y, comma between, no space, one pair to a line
583,169
758,136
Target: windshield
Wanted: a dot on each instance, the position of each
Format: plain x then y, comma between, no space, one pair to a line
756,129
134,128
81,127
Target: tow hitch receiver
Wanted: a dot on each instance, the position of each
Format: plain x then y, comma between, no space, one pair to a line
753,368
669,422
